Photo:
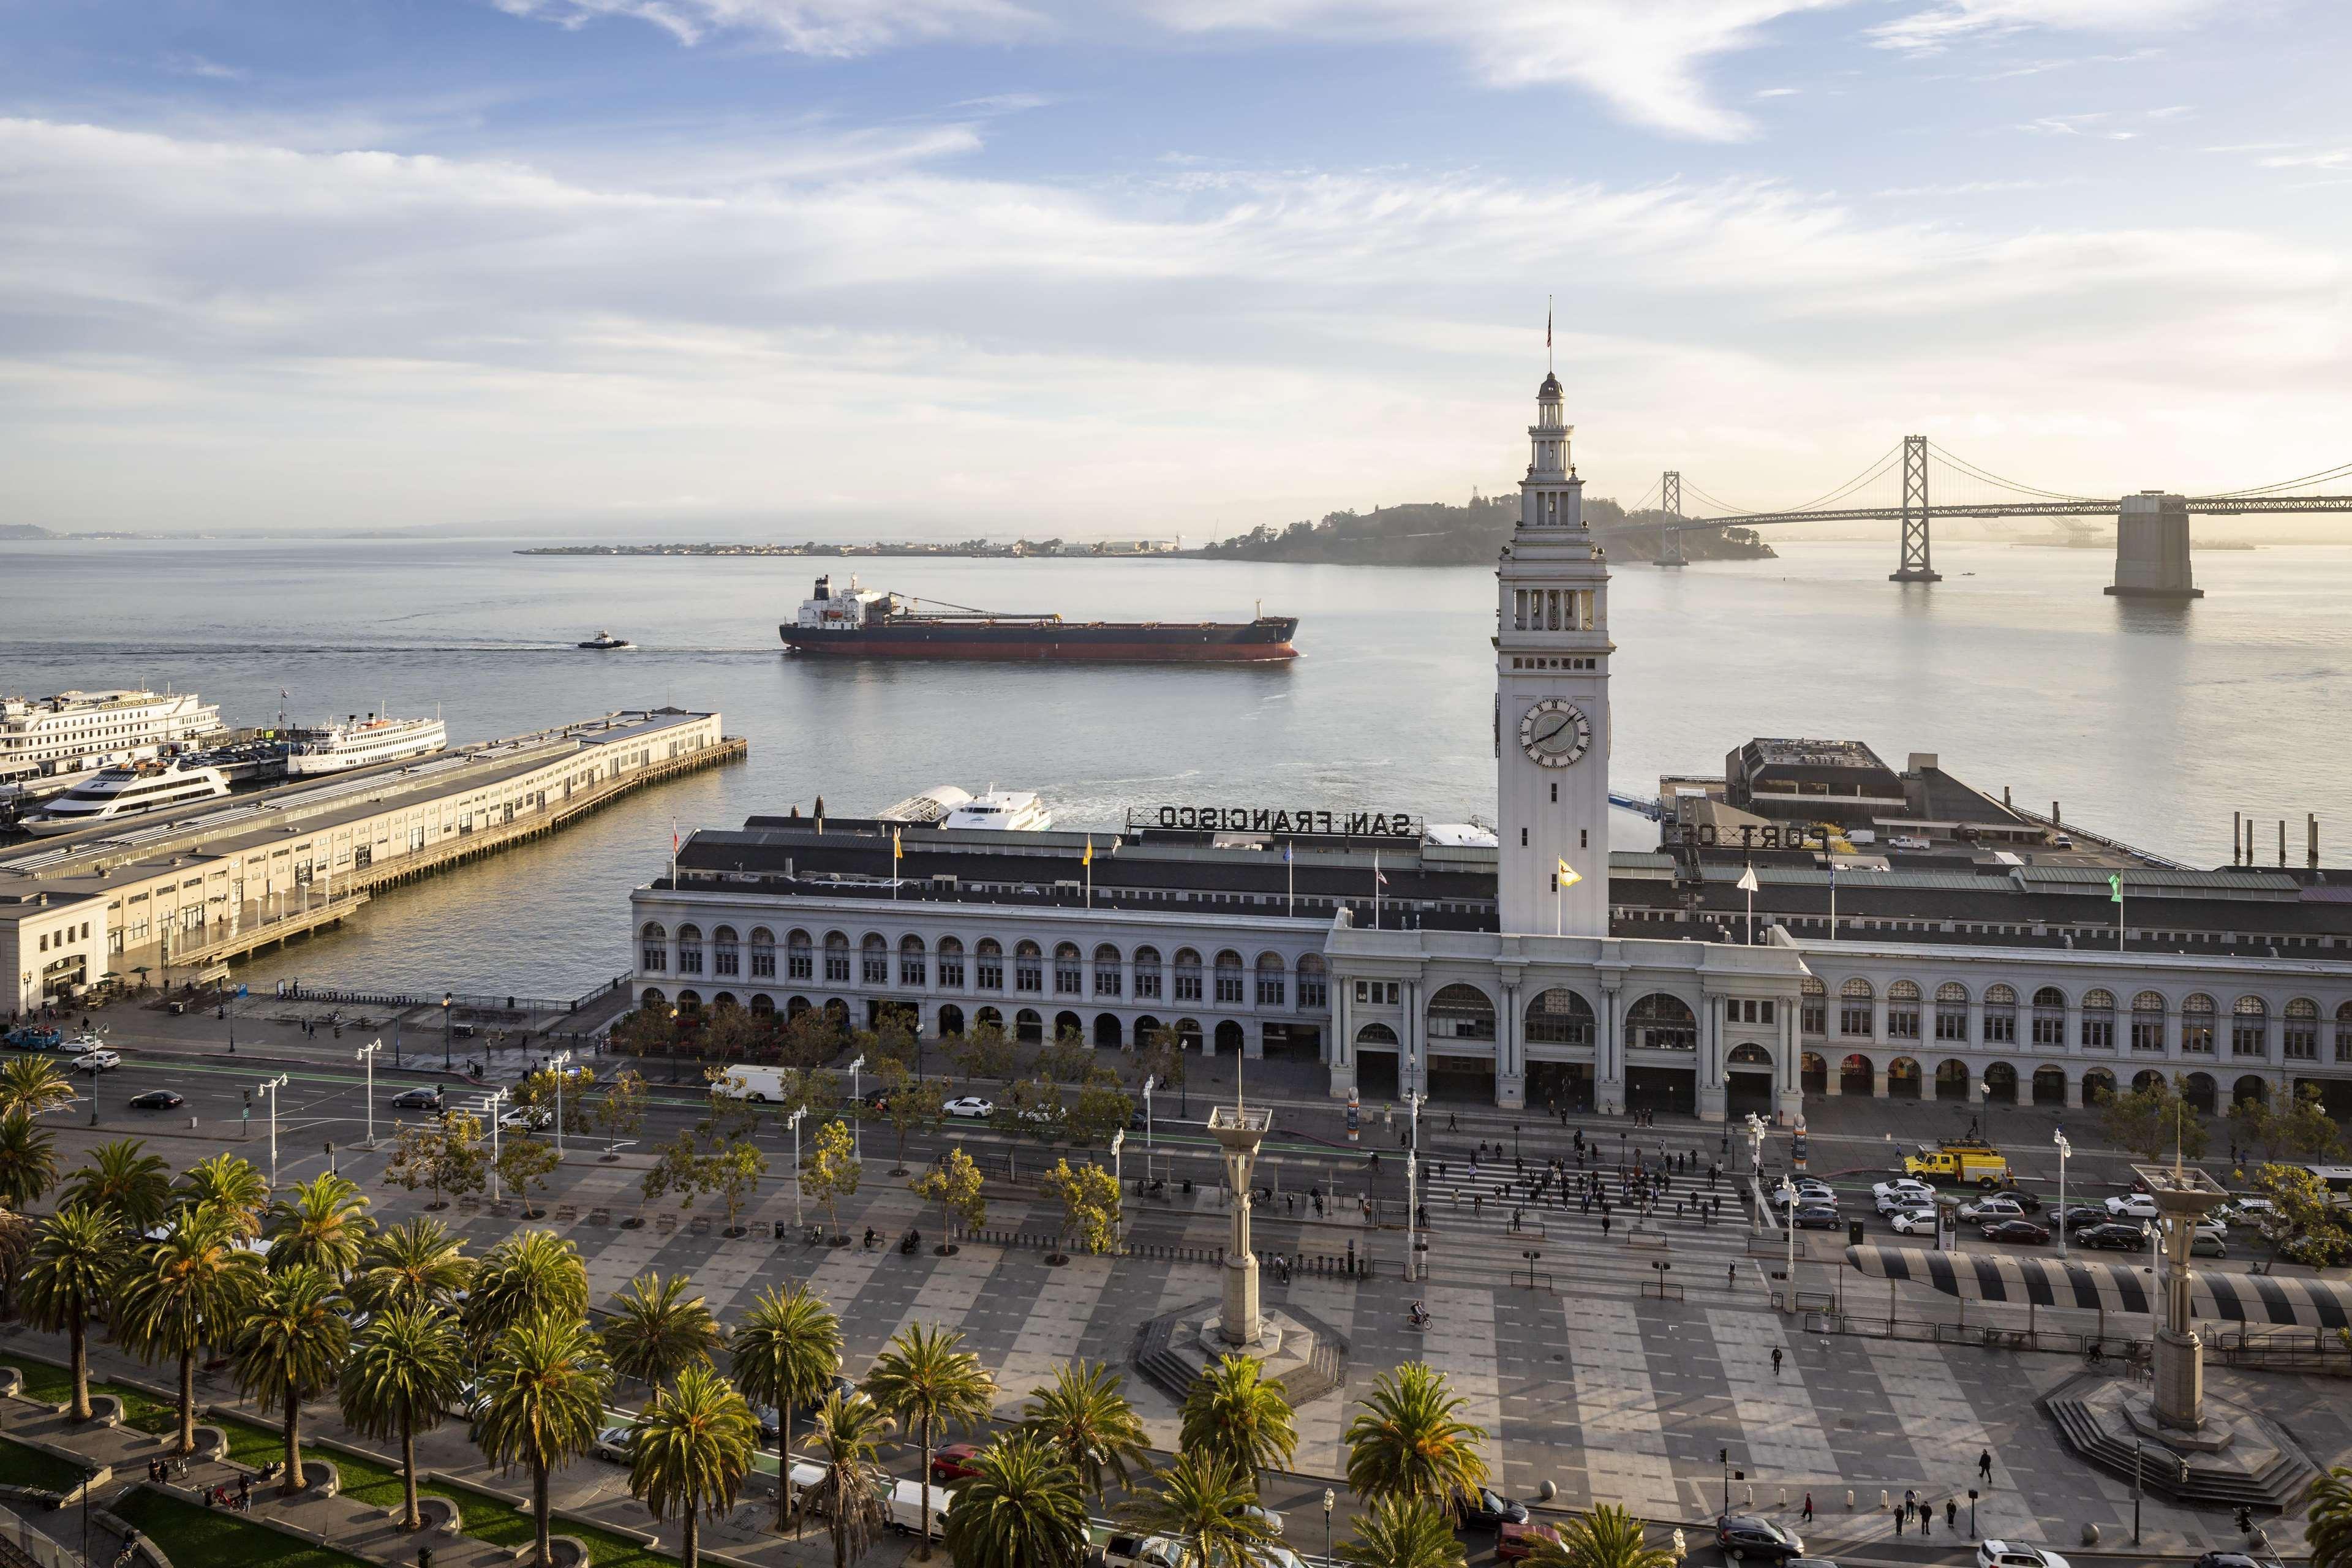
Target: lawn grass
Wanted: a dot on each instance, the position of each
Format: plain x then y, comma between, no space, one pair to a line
493,1520
54,1385
193,1537
26,1467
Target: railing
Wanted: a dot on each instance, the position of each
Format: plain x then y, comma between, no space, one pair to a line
20,1542
1322,1264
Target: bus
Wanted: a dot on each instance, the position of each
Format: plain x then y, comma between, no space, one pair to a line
2337,1179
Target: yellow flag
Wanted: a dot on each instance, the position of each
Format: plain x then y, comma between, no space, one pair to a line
897,850
1088,858
1568,876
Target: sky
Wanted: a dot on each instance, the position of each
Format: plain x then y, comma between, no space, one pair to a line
849,268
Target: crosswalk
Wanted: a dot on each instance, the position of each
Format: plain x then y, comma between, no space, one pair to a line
1488,1200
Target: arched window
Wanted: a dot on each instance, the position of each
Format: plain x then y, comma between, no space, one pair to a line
653,1001
1999,1015
1107,979
653,947
764,957
836,958
1028,1025
1903,1010
2098,1032
1376,1037
951,973
763,1008
1813,1014
873,960
988,964
2344,1032
1853,1008
1230,1038
1187,975
2249,1028
1273,979
2147,1021
1229,978
1460,1013
1314,985
1147,974
914,962
1069,977
1559,1017
2197,1025
1028,966
800,960
2302,1030
2050,1017
1661,1022
1952,1011
726,952
951,1018
689,952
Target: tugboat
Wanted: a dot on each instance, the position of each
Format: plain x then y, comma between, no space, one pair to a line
602,641
865,624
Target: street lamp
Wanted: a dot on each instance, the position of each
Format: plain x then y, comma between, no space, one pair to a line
489,1106
794,1122
1150,1082
1329,1500
1530,1254
446,998
1413,1259
1787,1194
1984,1094
856,1110
270,1088
1755,1143
2064,1149
1972,1513
1118,1169
367,1059
556,1064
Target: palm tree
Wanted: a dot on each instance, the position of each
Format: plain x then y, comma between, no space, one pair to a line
416,1264
1608,1537
227,1183
1408,1443
187,1288
787,1351
1021,1508
1403,1532
2328,1533
1232,1411
67,1283
17,1234
1086,1418
923,1378
322,1222
847,1435
1208,1506
405,1370
656,1330
692,1450
532,1273
294,1338
130,1186
32,1084
543,1395
29,1160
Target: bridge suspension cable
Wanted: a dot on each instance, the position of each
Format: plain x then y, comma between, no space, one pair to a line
2340,471
1961,465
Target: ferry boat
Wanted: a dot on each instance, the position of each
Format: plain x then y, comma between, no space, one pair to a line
865,622
360,743
602,641
80,732
1001,810
134,790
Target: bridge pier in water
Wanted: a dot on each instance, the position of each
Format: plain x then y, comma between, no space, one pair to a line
1917,563
2152,549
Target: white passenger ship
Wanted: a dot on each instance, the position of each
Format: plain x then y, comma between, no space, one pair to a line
1001,810
131,791
360,743
76,731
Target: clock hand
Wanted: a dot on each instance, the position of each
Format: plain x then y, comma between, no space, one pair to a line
1555,730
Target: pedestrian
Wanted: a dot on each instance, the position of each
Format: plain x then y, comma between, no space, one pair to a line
1984,1466
1901,1518
1776,1360
1477,1203
1808,1515
1910,1501
1731,1277
244,1489
1451,1125
1951,1513
1604,1226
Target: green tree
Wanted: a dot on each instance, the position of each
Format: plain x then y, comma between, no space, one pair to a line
405,1370
33,1085
655,1330
620,1109
910,1105
677,1168
2304,1224
2145,1120
811,1039
294,1336
1608,1537
530,1274
1089,1199
187,1288
692,1449
831,1171
69,1282
787,1354
924,1378
2327,1532
230,1183
1410,1441
1402,1533
645,1032
2303,1130
954,1183
29,1160
323,1223
846,1438
1101,1109
1161,1055
732,1175
121,1181
728,1033
1234,1413
540,1089
1033,1108
1207,1505
17,1234
447,1159
417,1263
1084,1415
526,1165
986,1052
542,1399
1021,1508
1067,1059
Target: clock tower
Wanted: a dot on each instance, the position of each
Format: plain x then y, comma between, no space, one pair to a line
1551,698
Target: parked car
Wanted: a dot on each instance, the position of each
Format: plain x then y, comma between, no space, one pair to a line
1984,1211
2231,1560
1516,1543
2022,1231
2113,1237
1816,1216
2205,1243
1126,1550
2029,1201
423,1097
1491,1510
1906,1194
617,1444
954,1462
2082,1216
1740,1537
903,1510
2015,1555
157,1099
96,1062
27,1037
2132,1206
1915,1222
1266,1517
528,1119
970,1107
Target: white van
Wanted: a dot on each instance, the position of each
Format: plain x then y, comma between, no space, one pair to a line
801,1479
905,1503
761,1085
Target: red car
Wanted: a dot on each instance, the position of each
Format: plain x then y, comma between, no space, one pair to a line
1514,1542
954,1462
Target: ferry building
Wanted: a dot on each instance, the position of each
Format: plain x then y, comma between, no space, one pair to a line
1529,966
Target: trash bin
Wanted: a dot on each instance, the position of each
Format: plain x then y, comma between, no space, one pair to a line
780,1230
1853,1233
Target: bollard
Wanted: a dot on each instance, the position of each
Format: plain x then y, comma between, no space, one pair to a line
1849,1500
1883,1502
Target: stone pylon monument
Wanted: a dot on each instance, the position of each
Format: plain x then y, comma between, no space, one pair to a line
1239,1131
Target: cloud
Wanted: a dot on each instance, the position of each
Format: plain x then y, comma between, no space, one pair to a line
1953,21
197,66
2326,158
1779,91
836,28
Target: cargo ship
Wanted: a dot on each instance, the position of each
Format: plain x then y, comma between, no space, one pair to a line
864,622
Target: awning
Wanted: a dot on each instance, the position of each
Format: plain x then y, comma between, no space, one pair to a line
2100,1286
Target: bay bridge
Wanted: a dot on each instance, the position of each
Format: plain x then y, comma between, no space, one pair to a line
1915,481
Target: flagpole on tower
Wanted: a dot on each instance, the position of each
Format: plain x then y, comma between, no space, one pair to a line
2116,882
1547,334
1748,886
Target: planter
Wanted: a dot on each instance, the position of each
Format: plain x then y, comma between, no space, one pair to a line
105,1409
11,1382
212,1444
945,1249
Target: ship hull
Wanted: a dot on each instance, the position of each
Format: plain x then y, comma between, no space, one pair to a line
1257,642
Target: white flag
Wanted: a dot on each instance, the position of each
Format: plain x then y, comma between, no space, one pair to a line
1747,880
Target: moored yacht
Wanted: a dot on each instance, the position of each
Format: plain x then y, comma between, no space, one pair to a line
360,743
134,790
1001,810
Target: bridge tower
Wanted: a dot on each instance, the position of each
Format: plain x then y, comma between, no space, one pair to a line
1915,565
1669,501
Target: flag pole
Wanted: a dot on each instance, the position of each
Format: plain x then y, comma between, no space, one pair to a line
1290,882
1377,879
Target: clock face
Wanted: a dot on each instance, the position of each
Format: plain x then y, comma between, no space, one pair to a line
1555,732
